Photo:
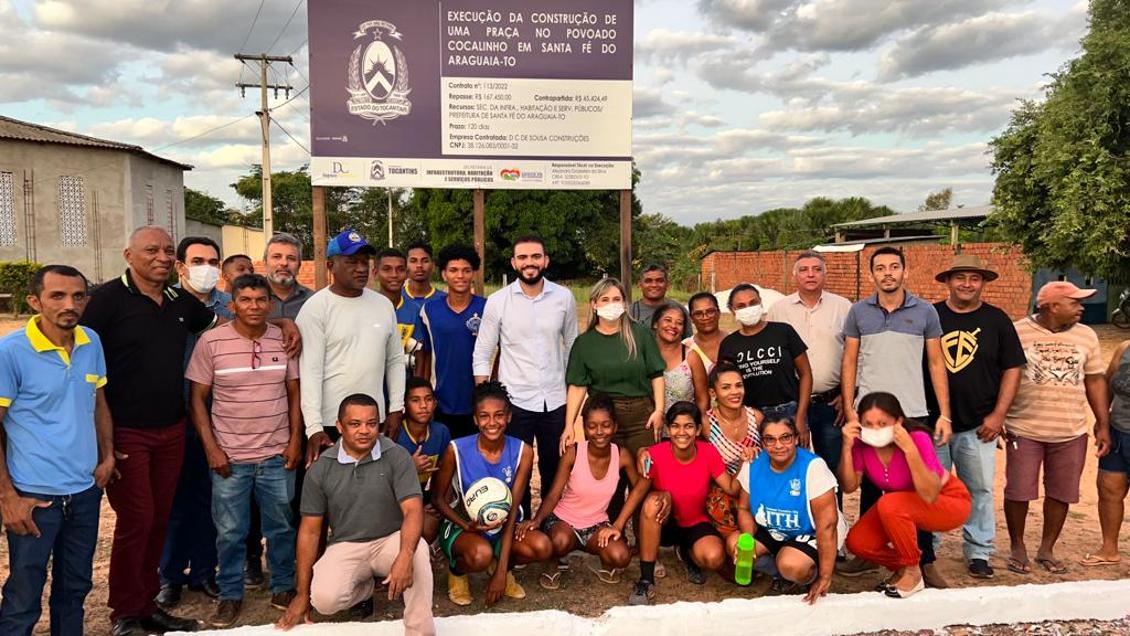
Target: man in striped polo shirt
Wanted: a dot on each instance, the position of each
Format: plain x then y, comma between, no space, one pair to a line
252,438
1047,423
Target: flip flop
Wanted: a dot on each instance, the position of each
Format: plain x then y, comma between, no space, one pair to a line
1052,565
1018,566
550,580
660,570
1094,560
611,577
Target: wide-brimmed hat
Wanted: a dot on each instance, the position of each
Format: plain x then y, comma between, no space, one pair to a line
967,263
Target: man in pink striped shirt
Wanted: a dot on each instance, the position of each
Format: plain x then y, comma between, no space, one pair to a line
252,436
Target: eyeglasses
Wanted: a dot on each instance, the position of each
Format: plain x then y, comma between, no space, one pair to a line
704,313
783,440
256,357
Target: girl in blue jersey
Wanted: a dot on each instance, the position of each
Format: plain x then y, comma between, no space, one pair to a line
470,546
788,504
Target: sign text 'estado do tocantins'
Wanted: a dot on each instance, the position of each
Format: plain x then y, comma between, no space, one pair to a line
471,94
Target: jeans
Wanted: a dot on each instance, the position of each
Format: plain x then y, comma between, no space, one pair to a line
545,427
975,462
273,488
786,409
827,439
68,535
142,498
190,541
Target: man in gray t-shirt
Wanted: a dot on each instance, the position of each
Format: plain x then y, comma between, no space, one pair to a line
367,485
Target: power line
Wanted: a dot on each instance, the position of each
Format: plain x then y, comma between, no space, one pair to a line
252,28
288,20
292,138
203,134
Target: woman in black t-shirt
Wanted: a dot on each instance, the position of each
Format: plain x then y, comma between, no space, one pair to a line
772,359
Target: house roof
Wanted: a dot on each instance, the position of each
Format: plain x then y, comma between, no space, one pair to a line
927,217
37,133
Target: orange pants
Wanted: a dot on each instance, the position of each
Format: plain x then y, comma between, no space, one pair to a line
887,533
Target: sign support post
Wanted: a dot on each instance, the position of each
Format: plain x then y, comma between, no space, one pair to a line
320,277
478,196
626,243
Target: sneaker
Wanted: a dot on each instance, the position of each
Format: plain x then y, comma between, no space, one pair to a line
513,588
643,593
933,577
458,589
169,596
980,569
694,573
856,566
282,600
253,573
362,610
227,613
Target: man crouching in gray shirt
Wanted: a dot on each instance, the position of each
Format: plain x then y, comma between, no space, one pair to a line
368,487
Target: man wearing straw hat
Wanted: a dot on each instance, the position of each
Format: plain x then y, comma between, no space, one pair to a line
983,358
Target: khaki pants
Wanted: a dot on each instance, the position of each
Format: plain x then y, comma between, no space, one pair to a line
344,575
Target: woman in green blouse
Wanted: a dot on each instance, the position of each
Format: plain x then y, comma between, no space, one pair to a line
619,358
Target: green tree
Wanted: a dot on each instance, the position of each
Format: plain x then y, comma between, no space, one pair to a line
199,206
940,200
1062,170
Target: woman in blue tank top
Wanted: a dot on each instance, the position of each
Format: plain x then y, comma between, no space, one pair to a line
788,504
469,545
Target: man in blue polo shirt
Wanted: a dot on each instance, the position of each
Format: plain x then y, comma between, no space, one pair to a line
885,335
447,328
58,454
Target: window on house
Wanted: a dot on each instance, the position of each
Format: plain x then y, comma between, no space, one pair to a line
72,212
7,209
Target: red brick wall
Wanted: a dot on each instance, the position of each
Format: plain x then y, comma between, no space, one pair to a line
305,273
1011,292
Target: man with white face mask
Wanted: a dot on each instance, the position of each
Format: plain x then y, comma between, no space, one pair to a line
772,358
190,542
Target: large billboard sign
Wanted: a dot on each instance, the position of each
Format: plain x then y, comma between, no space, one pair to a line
471,93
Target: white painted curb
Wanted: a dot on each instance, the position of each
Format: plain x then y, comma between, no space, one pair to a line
778,615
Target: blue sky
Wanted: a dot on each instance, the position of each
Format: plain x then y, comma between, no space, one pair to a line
740,105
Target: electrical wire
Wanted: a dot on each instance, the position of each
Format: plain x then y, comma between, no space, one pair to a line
292,137
288,21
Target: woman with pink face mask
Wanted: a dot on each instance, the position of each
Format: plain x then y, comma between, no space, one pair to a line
898,456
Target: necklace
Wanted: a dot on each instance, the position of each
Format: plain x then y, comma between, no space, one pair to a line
732,427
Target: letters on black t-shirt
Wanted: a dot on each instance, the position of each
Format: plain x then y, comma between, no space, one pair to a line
978,347
766,361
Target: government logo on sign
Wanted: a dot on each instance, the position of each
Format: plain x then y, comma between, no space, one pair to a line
378,74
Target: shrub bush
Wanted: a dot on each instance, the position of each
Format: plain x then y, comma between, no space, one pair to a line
15,276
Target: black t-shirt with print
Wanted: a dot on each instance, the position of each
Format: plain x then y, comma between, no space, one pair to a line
766,361
978,347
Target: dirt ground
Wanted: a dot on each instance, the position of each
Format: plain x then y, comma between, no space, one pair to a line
582,593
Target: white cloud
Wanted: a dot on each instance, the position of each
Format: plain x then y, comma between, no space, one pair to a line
165,26
984,38
664,46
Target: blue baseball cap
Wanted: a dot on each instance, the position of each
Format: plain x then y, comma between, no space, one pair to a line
348,243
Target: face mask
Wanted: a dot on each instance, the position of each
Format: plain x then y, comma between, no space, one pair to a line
203,278
877,437
611,312
751,315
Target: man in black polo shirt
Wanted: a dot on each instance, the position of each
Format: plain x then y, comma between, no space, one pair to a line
144,325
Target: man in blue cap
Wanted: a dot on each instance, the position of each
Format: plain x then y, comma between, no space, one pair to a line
351,344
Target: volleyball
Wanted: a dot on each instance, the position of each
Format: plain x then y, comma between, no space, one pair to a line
488,501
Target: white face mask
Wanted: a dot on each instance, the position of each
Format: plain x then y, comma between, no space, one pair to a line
203,278
751,315
611,312
877,437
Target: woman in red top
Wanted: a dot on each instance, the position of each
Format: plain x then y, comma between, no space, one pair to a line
681,472
898,457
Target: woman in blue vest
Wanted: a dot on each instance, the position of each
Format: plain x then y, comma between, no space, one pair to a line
469,545
788,504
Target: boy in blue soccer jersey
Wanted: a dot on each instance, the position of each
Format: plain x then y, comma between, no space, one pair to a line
469,545
446,329
425,439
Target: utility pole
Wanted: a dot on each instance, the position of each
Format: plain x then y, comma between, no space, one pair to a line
264,114
389,190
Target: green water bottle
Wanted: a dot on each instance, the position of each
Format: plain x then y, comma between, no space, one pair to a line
743,570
